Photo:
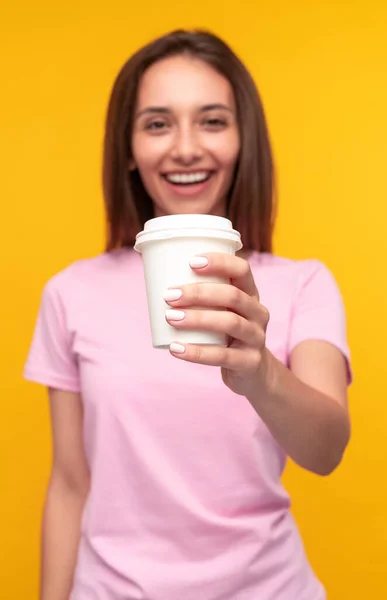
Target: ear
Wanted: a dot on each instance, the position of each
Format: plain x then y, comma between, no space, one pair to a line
132,165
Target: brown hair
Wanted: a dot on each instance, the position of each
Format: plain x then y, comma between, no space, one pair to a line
250,205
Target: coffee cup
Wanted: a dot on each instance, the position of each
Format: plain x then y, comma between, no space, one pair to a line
167,244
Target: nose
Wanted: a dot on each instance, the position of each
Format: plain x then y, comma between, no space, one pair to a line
187,148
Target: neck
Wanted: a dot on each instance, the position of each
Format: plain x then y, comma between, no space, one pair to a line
244,254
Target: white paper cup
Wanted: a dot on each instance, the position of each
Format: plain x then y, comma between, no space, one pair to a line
167,244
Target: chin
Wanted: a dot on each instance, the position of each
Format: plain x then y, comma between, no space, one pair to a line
191,208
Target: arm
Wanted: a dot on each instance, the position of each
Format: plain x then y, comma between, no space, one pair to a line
305,407
67,490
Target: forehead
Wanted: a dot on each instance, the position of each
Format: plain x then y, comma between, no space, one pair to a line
181,81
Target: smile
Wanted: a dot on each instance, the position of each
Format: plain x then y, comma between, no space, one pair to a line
188,178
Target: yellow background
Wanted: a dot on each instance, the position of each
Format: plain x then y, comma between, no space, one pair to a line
322,70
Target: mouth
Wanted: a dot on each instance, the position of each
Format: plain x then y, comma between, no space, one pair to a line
188,179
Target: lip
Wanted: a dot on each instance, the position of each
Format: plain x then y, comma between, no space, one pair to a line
186,171
208,172
190,190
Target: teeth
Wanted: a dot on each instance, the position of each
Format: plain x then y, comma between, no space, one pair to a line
188,177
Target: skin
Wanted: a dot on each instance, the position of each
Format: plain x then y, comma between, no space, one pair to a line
67,491
185,134
305,407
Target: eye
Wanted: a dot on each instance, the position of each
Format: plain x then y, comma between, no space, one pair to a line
216,123
156,126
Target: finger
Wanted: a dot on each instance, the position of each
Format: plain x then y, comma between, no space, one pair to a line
234,268
225,322
215,295
236,359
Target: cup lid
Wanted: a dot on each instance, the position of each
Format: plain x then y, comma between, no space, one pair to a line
173,226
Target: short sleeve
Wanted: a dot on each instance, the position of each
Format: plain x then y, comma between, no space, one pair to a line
51,361
318,311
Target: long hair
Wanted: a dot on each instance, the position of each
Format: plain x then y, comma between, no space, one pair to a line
251,199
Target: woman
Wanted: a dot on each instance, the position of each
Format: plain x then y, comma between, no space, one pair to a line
165,482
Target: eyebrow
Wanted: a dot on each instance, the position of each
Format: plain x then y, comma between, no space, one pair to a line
165,110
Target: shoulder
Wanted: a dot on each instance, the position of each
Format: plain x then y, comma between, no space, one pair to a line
91,276
288,285
98,268
293,272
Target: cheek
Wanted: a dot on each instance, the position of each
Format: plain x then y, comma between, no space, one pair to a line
228,159
226,149
147,152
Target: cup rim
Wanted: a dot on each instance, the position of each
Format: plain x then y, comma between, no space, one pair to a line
199,229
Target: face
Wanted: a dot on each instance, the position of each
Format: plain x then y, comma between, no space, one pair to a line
185,141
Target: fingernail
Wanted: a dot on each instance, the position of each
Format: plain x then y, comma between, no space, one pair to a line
174,315
198,262
177,348
170,295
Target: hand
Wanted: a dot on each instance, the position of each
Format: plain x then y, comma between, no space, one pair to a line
244,320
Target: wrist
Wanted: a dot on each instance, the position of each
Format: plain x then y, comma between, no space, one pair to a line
266,381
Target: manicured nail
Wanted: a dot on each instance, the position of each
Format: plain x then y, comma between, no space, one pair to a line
177,348
198,262
174,315
171,295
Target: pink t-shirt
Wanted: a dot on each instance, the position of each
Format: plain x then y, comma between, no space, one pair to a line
186,501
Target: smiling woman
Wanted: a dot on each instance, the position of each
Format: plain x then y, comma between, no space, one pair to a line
197,146
166,482
176,141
